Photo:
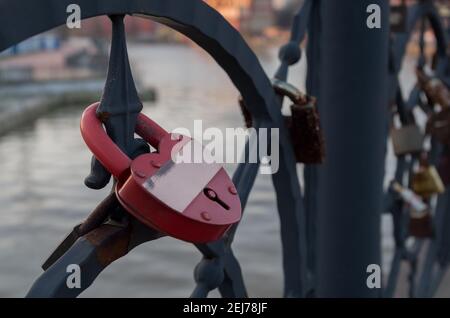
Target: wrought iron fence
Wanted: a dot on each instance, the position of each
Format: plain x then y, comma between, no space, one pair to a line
309,219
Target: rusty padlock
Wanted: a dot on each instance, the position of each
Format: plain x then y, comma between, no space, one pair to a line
304,124
438,126
420,222
194,202
426,181
407,139
435,90
421,225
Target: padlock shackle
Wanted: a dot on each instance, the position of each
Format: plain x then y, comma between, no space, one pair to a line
105,150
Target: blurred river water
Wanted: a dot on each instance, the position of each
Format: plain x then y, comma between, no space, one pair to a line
43,196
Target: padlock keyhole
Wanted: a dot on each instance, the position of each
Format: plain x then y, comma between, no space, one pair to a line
212,195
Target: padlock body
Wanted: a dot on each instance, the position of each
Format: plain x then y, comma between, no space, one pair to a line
170,196
407,140
427,182
421,227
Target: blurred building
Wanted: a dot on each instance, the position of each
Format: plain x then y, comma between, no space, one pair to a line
101,27
39,43
248,16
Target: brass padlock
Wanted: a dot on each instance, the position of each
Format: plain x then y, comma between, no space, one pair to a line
427,182
407,140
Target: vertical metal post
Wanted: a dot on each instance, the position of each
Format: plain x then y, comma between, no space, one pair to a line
311,172
353,107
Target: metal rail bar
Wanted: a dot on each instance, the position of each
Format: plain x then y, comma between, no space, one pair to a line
354,116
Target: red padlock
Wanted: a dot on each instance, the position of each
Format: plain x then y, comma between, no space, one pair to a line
194,202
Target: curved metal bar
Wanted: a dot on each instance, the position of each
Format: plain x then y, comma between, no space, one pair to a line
415,14
291,218
232,285
293,222
301,20
53,282
210,31
399,43
291,53
92,253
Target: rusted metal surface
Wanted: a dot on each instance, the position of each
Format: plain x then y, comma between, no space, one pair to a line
439,126
306,132
111,242
100,214
94,220
421,226
303,125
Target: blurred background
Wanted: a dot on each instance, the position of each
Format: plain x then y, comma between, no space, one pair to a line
48,80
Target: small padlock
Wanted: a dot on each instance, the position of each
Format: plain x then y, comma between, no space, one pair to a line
408,139
438,126
427,181
304,124
436,91
399,18
194,202
421,225
306,133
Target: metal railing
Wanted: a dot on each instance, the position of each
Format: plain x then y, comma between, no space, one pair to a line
110,233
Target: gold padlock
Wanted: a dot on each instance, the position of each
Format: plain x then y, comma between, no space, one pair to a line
407,140
427,182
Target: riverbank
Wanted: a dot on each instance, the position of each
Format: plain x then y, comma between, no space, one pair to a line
21,104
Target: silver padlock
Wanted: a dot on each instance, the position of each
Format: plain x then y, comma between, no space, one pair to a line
407,140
